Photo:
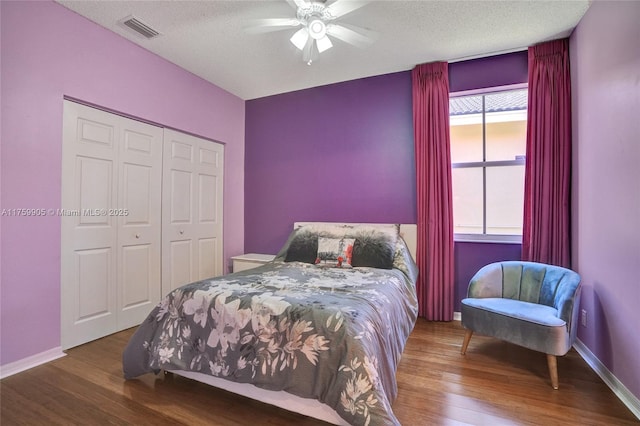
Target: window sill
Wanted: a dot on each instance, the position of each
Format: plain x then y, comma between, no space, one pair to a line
491,239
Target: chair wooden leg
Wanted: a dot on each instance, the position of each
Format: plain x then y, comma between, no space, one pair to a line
552,362
467,337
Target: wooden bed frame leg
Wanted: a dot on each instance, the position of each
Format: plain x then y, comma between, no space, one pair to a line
165,374
467,337
552,362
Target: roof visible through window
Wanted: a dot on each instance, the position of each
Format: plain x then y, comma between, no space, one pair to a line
513,100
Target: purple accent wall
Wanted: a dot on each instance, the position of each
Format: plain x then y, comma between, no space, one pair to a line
344,152
470,257
49,52
492,71
605,80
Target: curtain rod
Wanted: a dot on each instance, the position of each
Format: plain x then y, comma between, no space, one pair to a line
486,55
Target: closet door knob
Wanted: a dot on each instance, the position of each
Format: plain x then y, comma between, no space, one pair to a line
137,235
181,232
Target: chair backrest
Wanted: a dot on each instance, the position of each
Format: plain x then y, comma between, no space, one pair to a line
529,282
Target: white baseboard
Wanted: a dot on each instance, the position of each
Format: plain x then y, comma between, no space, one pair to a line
607,376
30,362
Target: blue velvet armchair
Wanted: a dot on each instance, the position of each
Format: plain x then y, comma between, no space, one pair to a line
529,304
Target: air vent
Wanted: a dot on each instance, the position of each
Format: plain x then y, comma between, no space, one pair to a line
140,27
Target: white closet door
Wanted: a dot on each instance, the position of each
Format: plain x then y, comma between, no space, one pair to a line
192,209
110,223
88,257
139,221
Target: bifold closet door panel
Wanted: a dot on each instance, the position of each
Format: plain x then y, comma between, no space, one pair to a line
192,209
89,238
139,217
110,222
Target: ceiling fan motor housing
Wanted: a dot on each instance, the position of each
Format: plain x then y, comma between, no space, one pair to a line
315,17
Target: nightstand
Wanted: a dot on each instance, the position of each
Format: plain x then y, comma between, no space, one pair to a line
250,260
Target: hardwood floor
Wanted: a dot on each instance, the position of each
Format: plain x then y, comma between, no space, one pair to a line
495,383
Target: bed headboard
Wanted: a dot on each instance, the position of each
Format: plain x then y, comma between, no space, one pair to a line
408,231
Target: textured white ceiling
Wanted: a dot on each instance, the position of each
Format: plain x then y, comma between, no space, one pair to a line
209,38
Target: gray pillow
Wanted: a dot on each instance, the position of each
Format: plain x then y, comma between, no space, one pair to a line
303,247
373,249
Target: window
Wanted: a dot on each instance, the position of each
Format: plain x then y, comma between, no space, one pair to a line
488,146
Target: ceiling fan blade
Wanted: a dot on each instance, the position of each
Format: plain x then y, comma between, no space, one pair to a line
261,26
342,7
295,4
356,36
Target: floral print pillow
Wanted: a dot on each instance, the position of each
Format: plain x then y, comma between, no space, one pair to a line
336,252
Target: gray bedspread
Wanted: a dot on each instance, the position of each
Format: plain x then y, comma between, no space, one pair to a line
335,335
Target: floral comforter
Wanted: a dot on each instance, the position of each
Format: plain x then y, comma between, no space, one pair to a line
335,335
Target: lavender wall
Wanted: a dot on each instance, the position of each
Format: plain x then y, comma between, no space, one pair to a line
344,152
49,52
605,74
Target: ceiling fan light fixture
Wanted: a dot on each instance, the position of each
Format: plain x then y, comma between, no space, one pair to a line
317,29
324,44
299,39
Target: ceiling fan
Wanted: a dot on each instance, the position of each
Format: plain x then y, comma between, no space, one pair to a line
318,21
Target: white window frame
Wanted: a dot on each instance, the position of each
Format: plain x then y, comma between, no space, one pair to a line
488,238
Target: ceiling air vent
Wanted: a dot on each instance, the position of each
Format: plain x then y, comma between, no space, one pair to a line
140,27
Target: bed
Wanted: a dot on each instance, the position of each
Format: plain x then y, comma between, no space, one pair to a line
320,330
